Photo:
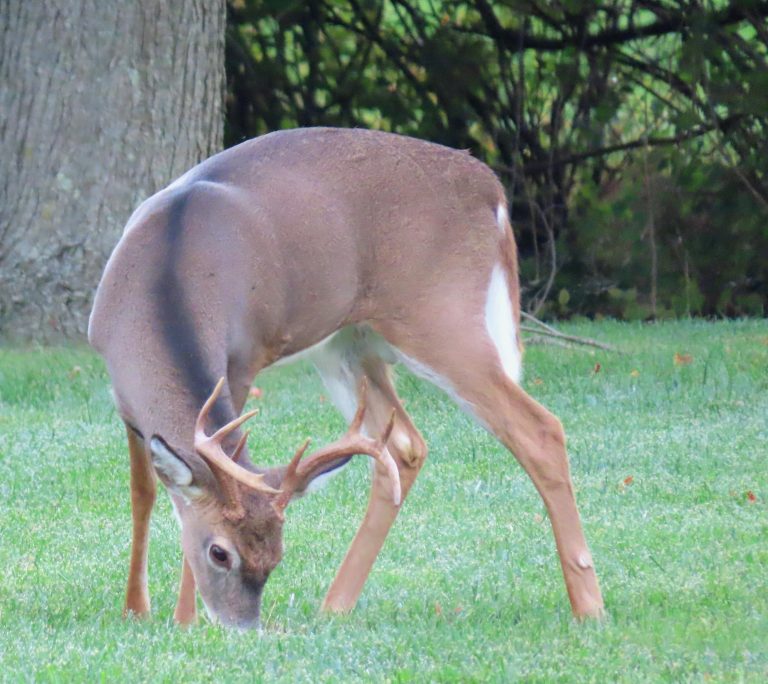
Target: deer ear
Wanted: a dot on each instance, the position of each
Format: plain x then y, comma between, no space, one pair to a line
322,476
174,472
310,481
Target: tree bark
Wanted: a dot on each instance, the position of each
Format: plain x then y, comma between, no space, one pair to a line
103,103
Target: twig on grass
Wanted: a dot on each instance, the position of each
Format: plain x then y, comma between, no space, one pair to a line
544,331
552,341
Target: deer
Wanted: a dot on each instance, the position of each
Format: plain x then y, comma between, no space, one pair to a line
354,249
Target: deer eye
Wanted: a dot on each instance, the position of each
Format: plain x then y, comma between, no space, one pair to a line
220,557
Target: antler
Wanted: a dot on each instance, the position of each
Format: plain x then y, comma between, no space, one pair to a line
210,448
352,443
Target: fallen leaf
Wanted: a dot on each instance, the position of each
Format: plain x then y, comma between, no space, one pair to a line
538,381
682,359
751,497
255,392
597,368
438,609
322,399
457,609
635,373
629,480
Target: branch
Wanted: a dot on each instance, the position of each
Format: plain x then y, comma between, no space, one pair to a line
549,331
540,339
514,40
721,125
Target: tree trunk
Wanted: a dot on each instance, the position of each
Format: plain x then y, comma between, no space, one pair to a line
103,103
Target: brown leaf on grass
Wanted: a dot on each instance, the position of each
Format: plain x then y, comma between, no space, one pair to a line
629,480
635,373
597,368
751,497
438,609
255,393
682,359
458,609
538,381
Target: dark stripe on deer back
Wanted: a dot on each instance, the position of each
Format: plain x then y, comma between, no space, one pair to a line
177,324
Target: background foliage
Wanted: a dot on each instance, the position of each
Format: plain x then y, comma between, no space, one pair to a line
631,135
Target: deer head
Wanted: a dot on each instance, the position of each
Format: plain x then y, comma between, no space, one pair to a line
232,513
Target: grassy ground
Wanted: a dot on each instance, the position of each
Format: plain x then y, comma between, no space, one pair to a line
668,449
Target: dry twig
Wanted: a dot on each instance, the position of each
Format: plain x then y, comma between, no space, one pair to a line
556,337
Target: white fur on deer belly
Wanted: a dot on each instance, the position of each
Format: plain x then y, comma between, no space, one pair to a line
500,324
440,381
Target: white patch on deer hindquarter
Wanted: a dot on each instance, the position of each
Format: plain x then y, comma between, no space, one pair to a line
500,324
501,218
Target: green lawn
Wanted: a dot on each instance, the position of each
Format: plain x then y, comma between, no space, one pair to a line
670,464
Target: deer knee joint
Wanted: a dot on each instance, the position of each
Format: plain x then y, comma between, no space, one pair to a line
410,449
143,492
551,434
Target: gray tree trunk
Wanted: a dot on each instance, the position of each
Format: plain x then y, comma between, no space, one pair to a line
102,102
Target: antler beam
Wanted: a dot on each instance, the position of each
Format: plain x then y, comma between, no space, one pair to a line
351,444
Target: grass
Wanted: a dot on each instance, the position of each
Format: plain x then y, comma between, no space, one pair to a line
664,456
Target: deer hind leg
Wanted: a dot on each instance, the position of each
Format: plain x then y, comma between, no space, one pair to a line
143,494
405,444
479,369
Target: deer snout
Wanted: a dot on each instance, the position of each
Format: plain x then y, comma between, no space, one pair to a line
236,602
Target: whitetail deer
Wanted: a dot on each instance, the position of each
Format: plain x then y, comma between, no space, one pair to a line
357,249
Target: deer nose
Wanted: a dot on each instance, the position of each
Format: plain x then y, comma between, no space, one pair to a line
248,625
236,622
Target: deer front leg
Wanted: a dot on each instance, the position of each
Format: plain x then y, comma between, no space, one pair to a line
409,452
143,494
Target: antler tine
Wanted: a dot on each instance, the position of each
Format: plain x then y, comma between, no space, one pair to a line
240,445
357,420
211,450
203,415
382,441
294,464
222,432
289,481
